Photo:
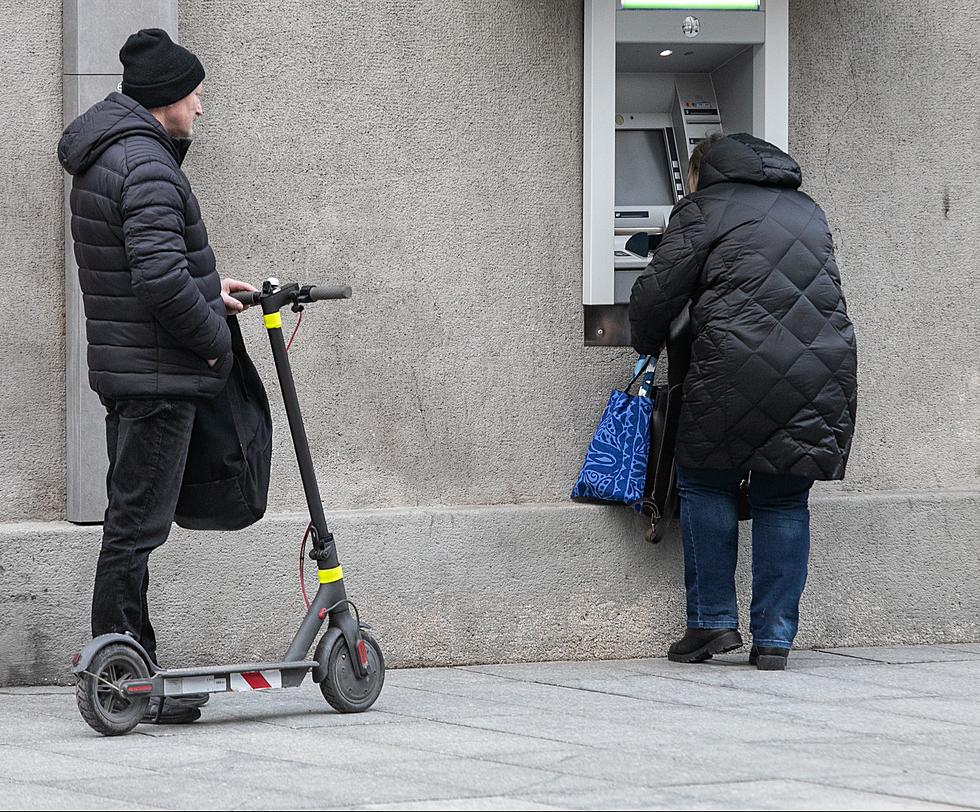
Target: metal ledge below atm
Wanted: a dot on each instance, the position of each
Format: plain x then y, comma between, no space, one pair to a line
607,325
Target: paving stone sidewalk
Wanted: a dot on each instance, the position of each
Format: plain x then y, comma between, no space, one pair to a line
874,728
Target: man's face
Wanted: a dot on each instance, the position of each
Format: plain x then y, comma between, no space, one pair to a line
178,118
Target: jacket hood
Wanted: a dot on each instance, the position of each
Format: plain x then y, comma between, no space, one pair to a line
742,158
115,117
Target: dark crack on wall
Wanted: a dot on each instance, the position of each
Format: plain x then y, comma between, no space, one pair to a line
832,134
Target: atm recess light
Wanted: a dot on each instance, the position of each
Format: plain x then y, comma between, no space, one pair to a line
693,5
666,52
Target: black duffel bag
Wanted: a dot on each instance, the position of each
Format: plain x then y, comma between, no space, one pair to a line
226,477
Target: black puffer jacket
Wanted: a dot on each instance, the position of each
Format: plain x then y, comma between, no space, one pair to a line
772,384
153,309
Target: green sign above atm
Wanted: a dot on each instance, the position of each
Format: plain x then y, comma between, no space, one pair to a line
694,5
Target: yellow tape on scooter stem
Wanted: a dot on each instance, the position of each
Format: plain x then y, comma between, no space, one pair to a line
273,320
331,575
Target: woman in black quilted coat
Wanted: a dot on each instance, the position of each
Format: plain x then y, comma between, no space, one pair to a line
771,390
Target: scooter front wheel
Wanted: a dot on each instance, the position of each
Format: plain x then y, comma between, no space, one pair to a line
342,687
101,702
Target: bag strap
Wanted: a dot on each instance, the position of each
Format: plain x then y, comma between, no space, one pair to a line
678,348
641,367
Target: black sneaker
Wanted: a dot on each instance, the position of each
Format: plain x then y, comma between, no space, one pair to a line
193,700
698,645
166,711
768,658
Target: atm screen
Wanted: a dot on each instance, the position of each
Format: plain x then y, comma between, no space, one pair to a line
643,173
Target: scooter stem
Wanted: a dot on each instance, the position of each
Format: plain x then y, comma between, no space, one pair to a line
326,549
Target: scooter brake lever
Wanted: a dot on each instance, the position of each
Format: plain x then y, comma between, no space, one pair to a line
304,294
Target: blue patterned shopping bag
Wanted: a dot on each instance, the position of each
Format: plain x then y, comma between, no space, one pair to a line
615,466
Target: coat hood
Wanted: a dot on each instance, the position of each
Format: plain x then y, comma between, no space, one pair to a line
742,158
115,117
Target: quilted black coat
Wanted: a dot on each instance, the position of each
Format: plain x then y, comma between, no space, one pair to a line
152,295
772,384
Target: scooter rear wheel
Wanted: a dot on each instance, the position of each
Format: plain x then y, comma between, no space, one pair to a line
106,709
342,688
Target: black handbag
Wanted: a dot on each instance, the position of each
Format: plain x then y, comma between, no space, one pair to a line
229,460
660,500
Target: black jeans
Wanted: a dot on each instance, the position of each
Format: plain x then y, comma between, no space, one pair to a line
147,442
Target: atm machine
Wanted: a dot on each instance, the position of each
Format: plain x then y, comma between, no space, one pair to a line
661,76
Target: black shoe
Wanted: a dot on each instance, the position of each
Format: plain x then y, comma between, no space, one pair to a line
768,658
166,711
698,645
191,700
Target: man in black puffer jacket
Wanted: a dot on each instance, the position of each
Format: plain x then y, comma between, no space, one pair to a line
771,389
155,310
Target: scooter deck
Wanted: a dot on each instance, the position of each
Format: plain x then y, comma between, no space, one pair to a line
235,668
223,678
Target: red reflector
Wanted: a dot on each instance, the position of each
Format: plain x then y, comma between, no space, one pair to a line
362,653
76,657
322,614
139,688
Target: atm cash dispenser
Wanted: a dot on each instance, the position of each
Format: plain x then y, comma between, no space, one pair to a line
661,76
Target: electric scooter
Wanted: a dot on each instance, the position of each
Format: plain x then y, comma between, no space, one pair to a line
116,677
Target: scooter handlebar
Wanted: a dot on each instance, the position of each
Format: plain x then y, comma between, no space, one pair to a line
319,293
246,297
307,293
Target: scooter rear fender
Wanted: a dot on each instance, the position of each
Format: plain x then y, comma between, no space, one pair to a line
85,656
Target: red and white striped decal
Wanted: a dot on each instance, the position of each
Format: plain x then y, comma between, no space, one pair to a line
256,680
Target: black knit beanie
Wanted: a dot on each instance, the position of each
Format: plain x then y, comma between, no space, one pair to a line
156,70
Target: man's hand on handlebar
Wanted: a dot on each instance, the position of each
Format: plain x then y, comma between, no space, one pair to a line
293,293
233,306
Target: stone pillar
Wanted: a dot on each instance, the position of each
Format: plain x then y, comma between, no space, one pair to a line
94,31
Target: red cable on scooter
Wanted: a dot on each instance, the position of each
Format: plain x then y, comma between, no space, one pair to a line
299,321
302,556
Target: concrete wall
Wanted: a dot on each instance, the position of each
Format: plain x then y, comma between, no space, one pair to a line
430,156
497,584
32,420
885,114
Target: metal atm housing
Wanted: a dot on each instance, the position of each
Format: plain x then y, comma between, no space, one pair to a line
657,81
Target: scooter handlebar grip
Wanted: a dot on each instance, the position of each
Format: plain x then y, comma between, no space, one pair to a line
246,297
318,293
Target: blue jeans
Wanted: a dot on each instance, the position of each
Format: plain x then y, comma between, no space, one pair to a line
780,549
